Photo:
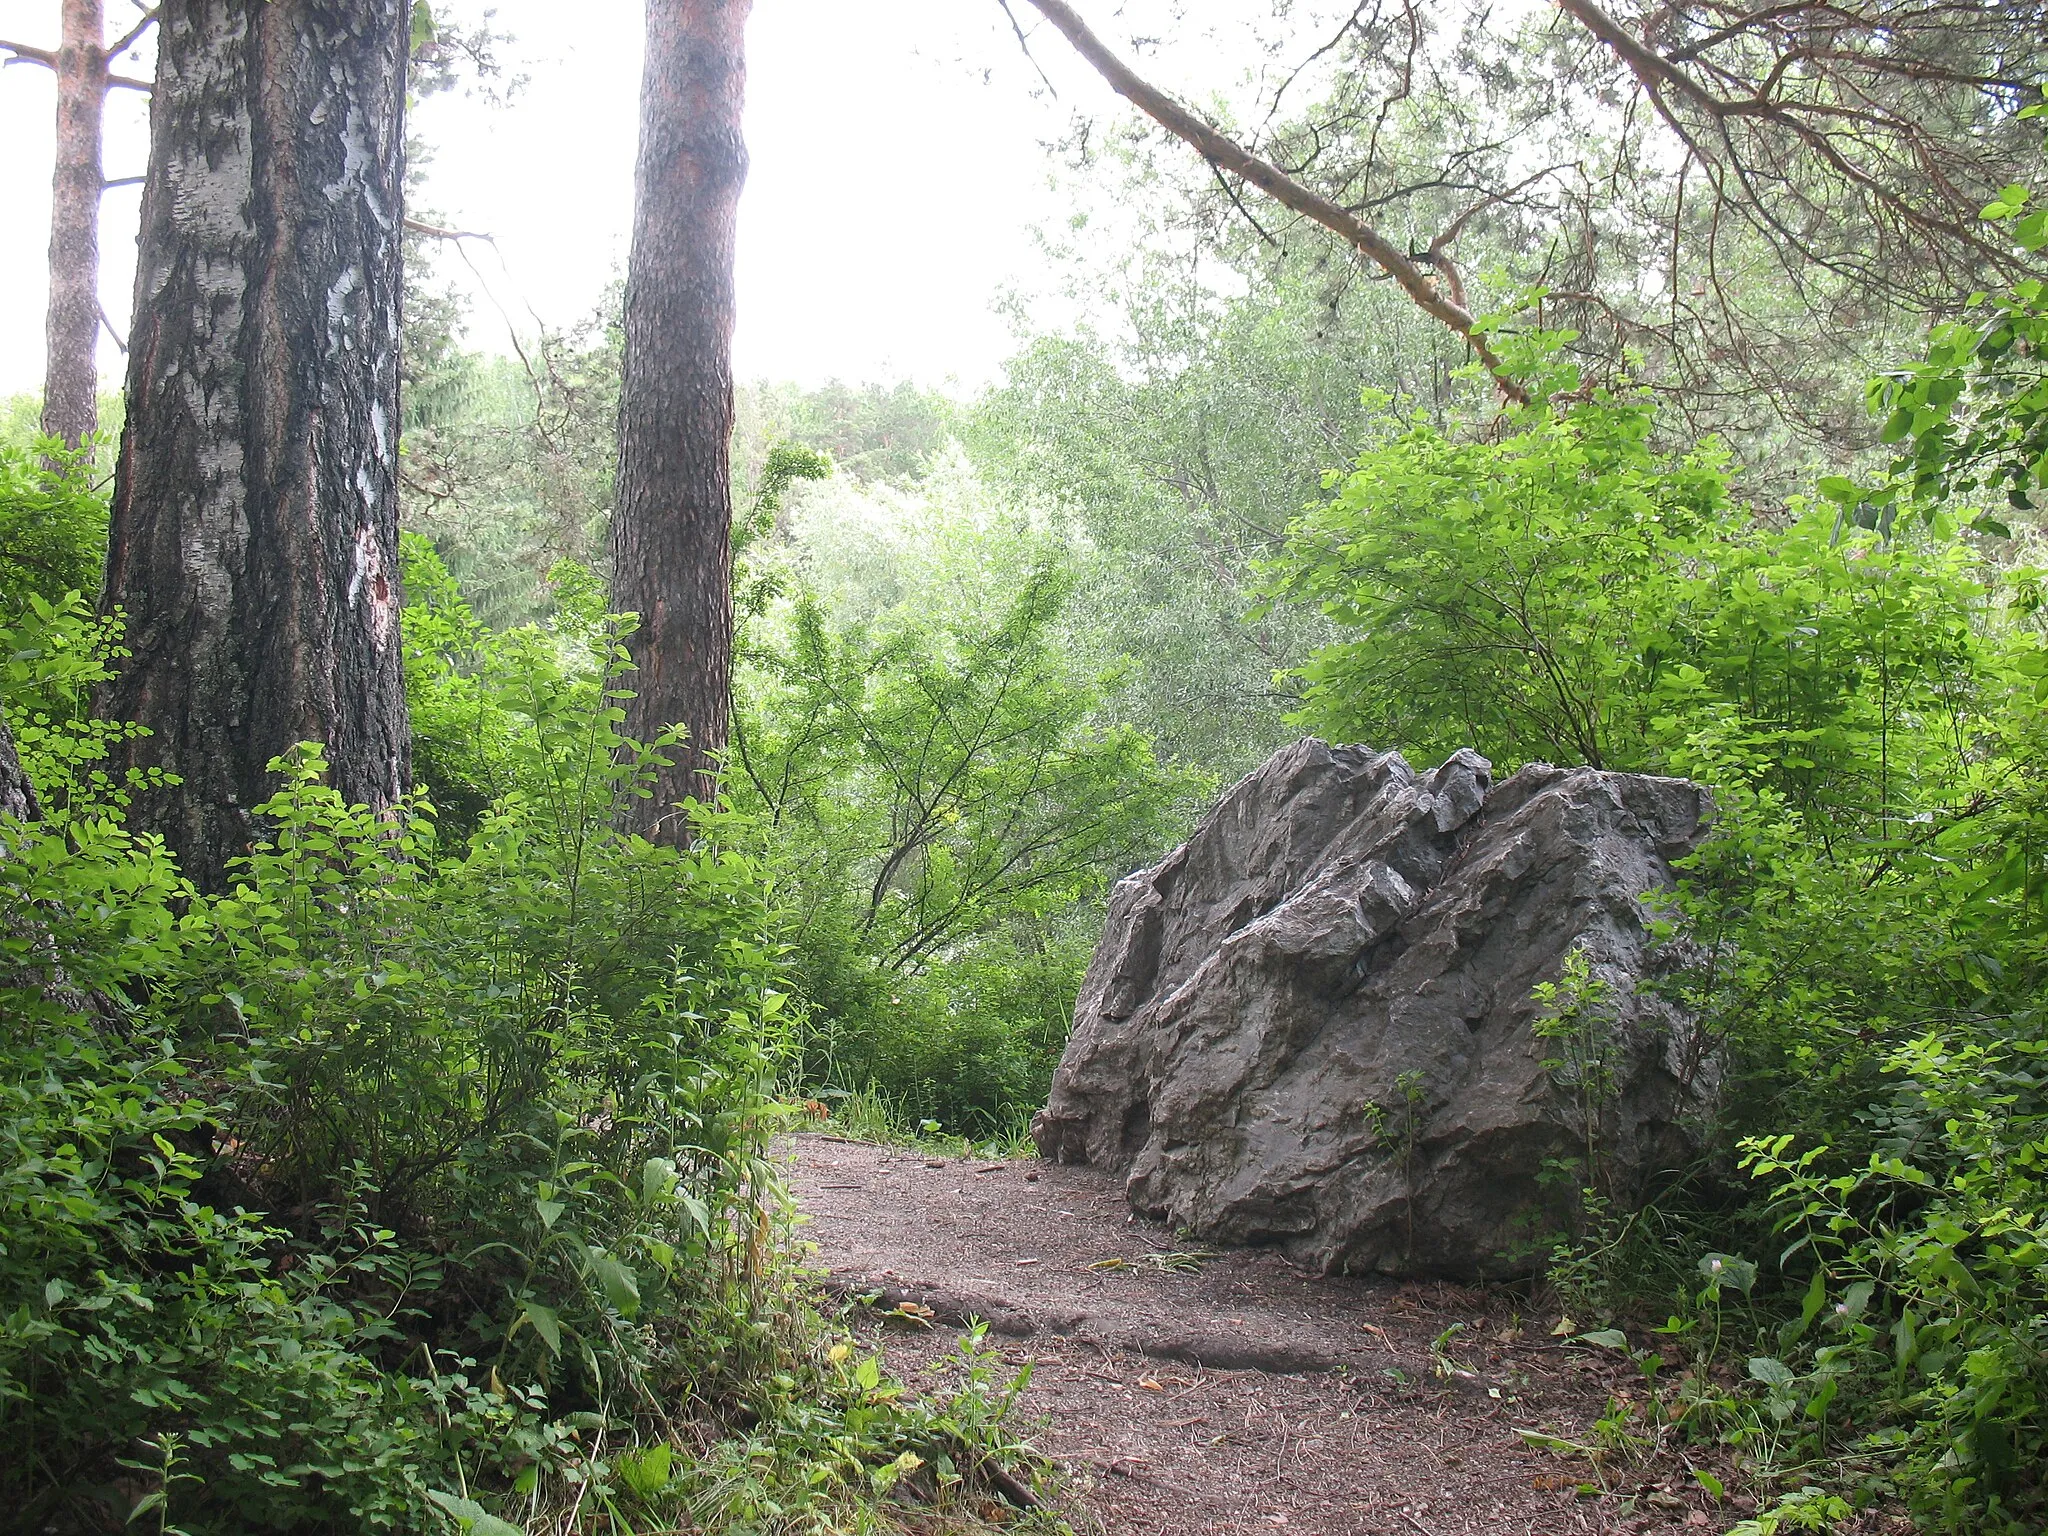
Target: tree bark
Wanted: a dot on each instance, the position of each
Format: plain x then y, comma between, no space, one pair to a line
71,328
17,795
254,530
672,520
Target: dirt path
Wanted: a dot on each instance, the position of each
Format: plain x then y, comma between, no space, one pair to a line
1225,1394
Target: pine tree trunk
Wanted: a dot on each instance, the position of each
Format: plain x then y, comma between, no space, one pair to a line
71,329
255,517
672,522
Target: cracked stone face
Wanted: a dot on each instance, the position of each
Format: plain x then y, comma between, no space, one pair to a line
1313,1025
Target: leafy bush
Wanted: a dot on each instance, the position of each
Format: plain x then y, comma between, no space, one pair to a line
942,806
1864,693
1570,593
53,524
1502,593
377,1193
1972,415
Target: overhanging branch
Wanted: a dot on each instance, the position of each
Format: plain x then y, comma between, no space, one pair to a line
1227,155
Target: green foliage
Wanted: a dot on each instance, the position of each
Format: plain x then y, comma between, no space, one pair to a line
509,461
1504,594
1973,414
941,802
137,1309
1177,441
1570,594
416,1178
1575,1019
1864,694
57,653
888,434
1928,1274
53,524
461,737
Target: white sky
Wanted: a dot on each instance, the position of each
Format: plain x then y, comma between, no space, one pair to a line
897,175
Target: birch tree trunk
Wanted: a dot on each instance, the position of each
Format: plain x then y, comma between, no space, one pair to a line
672,518
255,516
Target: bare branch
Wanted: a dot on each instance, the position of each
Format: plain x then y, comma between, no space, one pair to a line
436,232
113,335
130,83
120,181
1024,43
1227,154
131,37
25,54
1238,203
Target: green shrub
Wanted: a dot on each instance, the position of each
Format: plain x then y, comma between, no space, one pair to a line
1867,930
942,808
387,1190
53,523
1504,595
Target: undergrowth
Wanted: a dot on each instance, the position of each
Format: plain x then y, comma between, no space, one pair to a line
421,1180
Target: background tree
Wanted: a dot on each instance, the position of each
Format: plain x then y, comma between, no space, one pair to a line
253,538
672,522
1748,206
82,66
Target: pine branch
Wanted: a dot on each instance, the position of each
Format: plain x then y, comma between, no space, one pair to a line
25,54
1226,154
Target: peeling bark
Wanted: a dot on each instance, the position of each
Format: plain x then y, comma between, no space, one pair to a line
672,522
255,518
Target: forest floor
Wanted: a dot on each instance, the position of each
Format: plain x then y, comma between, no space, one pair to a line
1224,1393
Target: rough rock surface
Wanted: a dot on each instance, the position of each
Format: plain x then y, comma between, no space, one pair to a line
1313,1024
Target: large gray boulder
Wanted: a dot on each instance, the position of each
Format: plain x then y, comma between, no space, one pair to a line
1315,1025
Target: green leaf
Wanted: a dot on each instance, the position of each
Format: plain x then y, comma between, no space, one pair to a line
1546,1442
1817,1406
621,1285
145,1504
657,1180
1716,1490
1772,1373
698,1212
1726,1269
1855,1299
647,1472
545,1322
1606,1338
472,1517
1809,1309
550,1212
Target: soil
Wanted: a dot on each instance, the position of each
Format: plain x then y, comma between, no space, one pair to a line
1185,1393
